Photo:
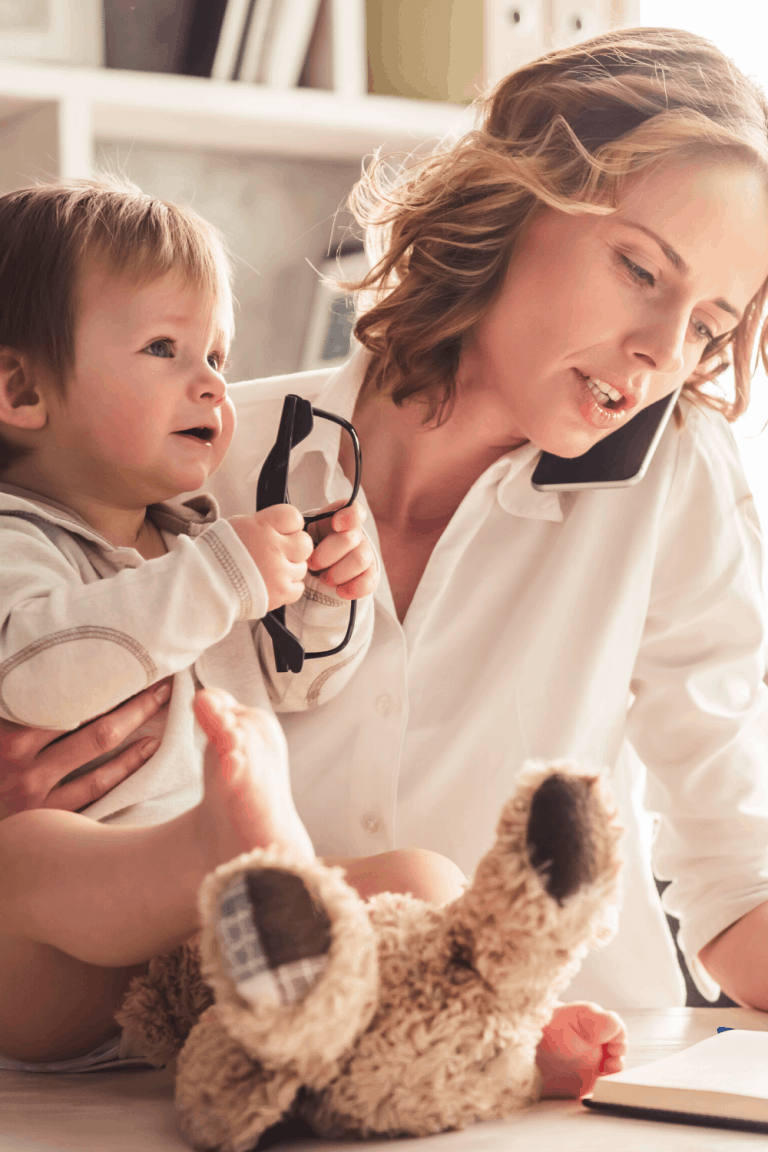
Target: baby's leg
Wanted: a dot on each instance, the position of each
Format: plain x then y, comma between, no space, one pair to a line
426,875
83,906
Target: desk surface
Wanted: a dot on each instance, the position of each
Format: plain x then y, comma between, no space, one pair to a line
132,1111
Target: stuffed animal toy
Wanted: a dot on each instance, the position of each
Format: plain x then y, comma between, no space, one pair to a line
386,1017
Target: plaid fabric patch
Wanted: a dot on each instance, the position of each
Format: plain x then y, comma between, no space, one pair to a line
285,984
248,965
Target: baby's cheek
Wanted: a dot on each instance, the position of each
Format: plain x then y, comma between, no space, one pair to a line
228,423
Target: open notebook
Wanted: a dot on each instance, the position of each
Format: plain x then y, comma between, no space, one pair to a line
721,1081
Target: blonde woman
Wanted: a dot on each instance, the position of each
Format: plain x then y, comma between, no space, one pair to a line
599,240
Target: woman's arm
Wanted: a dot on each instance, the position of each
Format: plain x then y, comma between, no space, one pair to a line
700,717
34,761
738,959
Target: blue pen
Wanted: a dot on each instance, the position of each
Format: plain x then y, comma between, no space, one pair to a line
725,1029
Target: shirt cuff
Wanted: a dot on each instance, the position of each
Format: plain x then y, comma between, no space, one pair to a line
240,567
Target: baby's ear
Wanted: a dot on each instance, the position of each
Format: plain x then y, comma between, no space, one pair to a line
22,404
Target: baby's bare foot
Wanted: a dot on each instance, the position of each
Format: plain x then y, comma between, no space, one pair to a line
247,802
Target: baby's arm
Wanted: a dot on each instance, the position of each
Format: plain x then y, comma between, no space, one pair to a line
342,568
581,1042
71,650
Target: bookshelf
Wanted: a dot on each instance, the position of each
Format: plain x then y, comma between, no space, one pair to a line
52,115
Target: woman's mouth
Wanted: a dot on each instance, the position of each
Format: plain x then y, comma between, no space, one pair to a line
603,406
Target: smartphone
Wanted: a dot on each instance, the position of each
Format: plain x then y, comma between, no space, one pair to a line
617,461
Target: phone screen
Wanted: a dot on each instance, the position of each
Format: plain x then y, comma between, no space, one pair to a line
617,461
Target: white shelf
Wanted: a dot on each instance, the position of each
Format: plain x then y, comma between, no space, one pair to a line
206,114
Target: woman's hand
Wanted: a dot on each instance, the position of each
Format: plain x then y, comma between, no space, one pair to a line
33,761
344,558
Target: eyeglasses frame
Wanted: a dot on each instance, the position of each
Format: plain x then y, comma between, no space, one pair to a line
296,423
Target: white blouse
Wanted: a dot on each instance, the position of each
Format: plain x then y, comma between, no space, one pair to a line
618,628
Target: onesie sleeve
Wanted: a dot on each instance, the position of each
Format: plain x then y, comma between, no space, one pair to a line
70,651
699,720
319,621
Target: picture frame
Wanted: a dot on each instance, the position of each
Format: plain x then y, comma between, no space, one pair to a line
67,31
329,340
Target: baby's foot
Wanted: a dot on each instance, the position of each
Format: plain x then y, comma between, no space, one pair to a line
580,1043
247,802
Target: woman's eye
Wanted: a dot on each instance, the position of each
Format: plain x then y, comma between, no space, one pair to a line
702,331
638,274
161,348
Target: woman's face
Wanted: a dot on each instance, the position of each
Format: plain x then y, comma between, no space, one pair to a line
601,315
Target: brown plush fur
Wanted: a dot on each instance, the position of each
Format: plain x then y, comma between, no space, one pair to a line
425,1018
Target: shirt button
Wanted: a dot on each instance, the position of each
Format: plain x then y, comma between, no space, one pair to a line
371,824
384,705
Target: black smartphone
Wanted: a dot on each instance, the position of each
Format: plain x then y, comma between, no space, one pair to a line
617,461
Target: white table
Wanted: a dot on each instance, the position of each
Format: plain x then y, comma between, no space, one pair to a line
132,1111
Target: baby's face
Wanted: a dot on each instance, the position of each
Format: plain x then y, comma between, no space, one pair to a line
146,415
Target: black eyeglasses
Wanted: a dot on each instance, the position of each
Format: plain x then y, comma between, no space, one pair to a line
296,423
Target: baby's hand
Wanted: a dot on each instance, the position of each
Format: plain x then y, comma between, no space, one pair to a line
580,1043
280,548
343,556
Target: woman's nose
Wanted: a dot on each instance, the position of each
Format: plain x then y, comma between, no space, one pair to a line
662,344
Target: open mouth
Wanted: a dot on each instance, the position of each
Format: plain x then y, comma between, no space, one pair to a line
605,395
204,434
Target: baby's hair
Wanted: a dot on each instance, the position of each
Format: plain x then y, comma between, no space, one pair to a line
565,131
50,232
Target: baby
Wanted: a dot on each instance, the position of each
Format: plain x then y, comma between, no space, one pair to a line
115,323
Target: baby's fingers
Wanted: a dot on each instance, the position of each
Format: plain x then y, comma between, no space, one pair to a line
298,547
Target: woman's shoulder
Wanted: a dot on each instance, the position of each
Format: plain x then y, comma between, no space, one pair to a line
708,446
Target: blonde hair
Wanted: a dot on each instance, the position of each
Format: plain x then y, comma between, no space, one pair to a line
50,232
565,131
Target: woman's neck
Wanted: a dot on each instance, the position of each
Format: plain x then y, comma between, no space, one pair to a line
415,474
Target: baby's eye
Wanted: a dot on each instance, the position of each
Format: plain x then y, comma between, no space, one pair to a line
638,274
161,348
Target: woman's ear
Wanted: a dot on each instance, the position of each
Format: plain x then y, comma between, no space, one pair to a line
22,404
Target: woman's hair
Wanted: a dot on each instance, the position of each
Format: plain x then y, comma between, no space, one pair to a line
564,131
50,233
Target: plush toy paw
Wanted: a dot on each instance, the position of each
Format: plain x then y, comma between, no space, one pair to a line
274,936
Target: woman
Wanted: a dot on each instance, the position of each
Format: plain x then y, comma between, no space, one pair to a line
599,241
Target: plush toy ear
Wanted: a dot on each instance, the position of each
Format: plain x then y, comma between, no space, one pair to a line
22,404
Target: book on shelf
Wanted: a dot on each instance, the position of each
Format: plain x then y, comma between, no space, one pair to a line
254,40
229,47
336,56
178,36
286,40
721,1081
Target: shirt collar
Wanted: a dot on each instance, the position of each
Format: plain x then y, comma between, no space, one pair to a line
515,492
512,473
